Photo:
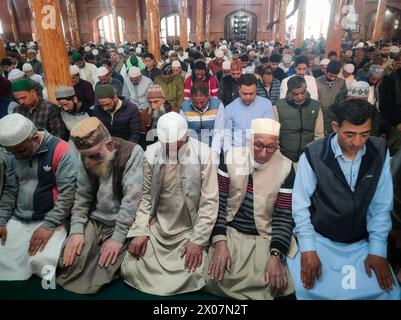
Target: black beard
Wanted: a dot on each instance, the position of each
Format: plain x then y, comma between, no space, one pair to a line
384,56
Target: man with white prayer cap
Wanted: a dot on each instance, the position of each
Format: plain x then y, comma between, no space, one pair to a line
39,188
16,74
253,232
83,89
177,213
177,69
105,78
71,108
216,64
347,74
29,73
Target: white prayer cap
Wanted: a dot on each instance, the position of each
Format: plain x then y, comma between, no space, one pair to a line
74,70
394,49
226,65
171,52
225,41
171,127
101,72
349,67
14,129
134,72
324,62
95,52
120,51
218,53
287,58
265,126
249,47
223,47
359,89
138,50
360,45
309,46
250,69
15,74
176,64
87,48
207,45
12,44
31,51
27,67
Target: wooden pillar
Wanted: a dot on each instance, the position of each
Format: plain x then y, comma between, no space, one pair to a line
336,32
276,16
381,11
207,22
11,12
199,22
183,23
299,38
153,17
51,44
73,22
34,28
115,22
282,23
2,49
138,20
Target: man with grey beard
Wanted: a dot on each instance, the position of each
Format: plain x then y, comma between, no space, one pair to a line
109,190
158,106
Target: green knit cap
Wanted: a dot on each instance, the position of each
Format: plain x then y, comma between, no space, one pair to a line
76,56
104,91
25,84
134,61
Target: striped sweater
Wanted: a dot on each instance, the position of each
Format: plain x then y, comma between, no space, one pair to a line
282,222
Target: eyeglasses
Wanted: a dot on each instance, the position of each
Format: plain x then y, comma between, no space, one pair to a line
269,147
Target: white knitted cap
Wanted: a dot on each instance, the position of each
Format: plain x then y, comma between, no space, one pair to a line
74,70
171,127
101,72
265,126
14,129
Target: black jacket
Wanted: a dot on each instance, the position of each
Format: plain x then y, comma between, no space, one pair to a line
125,123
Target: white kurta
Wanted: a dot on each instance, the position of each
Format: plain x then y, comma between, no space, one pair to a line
16,264
161,270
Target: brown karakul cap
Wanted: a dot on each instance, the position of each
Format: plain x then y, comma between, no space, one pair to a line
88,133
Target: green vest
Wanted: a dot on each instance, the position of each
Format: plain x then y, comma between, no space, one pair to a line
297,126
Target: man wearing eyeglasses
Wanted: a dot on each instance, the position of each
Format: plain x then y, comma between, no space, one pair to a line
301,119
252,235
342,200
109,189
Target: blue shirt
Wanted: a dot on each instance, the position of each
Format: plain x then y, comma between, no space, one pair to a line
378,221
238,117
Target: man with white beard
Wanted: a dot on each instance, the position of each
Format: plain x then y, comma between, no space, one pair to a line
109,190
253,232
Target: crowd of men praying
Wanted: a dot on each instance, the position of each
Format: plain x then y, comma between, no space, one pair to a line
248,170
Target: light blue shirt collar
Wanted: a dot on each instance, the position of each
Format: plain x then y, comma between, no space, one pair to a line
338,151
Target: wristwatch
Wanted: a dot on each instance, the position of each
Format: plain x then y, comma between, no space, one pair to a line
278,254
